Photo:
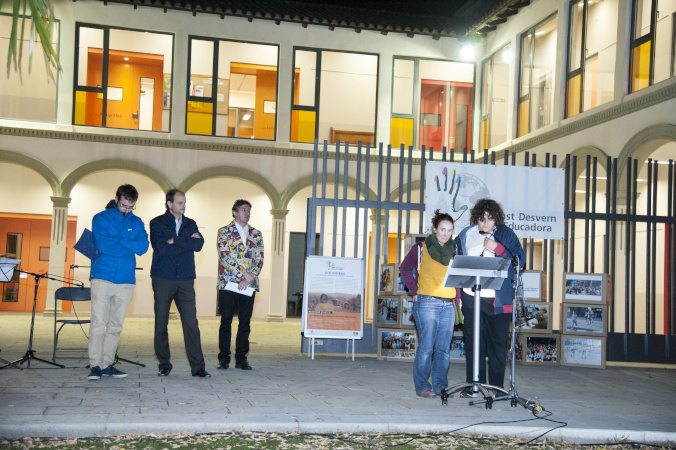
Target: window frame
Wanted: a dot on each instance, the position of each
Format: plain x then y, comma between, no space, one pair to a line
214,91
103,90
489,103
648,37
531,63
56,44
416,99
318,79
580,70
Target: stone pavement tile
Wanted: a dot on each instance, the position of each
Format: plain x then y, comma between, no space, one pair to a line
96,410
21,410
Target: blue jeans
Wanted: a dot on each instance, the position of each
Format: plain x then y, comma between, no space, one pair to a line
434,319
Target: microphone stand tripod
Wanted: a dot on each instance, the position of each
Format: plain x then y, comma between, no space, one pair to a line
492,272
30,353
512,395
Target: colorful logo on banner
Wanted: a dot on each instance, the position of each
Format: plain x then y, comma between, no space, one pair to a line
531,197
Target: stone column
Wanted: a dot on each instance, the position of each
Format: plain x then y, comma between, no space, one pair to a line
57,252
275,255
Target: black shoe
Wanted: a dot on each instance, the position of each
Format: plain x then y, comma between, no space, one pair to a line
223,364
163,372
468,393
202,374
243,364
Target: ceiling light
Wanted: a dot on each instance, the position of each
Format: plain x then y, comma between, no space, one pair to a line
126,58
467,52
246,116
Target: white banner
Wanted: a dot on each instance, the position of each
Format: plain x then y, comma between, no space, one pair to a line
531,197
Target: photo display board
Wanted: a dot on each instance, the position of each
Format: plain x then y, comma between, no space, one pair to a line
333,297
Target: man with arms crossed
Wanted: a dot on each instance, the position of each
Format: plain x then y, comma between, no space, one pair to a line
118,236
175,239
240,253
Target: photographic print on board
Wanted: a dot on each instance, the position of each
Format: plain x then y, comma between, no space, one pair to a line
400,286
517,345
388,278
585,287
396,345
407,312
534,317
584,351
582,319
541,350
534,285
411,239
457,353
387,311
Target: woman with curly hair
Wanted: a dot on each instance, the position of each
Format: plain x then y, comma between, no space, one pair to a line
423,271
488,236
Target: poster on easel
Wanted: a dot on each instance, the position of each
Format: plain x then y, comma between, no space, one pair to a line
333,297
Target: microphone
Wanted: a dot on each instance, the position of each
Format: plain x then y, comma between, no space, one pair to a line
506,248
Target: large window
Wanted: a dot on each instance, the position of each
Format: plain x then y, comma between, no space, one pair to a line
494,98
432,104
653,39
244,102
29,96
538,69
122,78
591,55
334,96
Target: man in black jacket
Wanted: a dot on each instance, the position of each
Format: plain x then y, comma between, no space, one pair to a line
175,239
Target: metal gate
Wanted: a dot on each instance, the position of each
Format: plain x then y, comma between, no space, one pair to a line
374,188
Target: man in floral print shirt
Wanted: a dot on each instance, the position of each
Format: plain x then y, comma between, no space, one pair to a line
240,254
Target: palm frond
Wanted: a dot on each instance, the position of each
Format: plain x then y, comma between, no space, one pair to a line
41,14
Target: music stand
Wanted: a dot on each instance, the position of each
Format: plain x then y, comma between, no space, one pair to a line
475,272
6,273
30,353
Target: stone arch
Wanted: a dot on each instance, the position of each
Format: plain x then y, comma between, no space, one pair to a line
234,172
394,194
582,154
643,143
33,164
306,181
114,164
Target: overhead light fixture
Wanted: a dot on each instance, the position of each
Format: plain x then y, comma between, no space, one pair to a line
126,58
246,116
467,52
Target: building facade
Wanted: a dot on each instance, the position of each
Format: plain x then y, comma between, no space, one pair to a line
137,103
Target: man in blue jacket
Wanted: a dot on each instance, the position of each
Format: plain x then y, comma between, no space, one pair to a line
175,239
118,236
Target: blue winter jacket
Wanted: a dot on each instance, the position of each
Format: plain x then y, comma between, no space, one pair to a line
174,261
505,237
119,239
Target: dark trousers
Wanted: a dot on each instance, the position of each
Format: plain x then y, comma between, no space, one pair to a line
494,329
226,305
183,293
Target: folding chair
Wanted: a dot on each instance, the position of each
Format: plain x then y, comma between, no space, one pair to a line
72,294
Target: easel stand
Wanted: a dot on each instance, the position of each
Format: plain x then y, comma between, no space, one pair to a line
311,349
30,353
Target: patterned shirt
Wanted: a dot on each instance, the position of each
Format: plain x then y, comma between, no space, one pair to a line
238,255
